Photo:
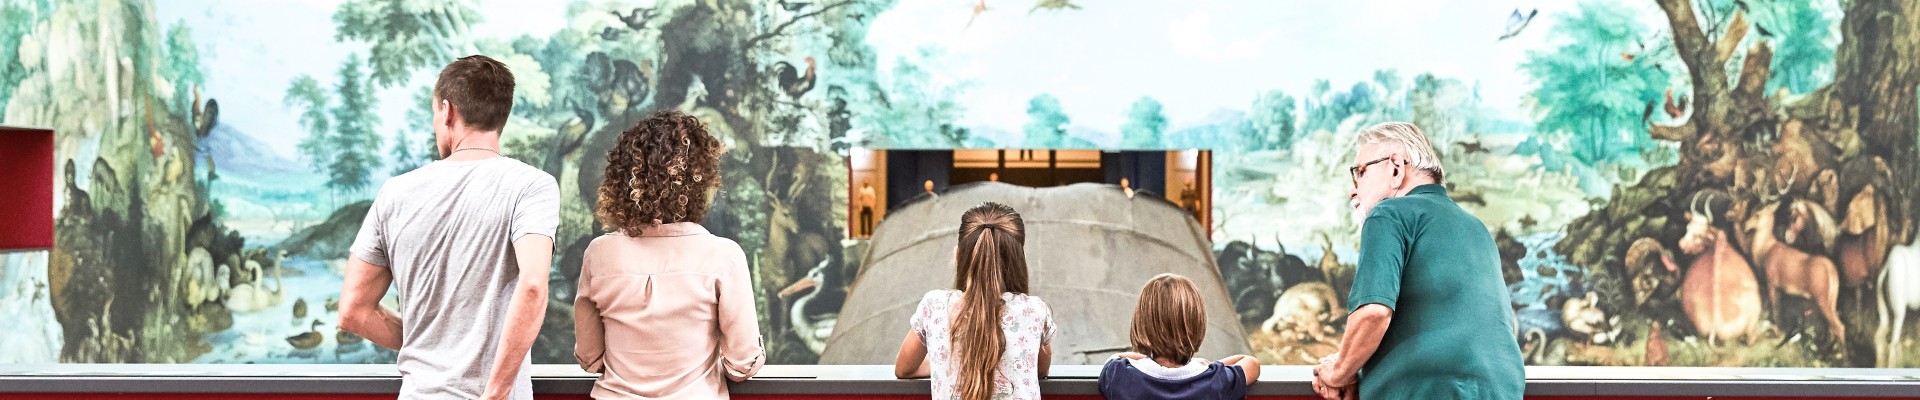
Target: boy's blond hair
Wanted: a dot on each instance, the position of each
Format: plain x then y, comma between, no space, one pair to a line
1170,321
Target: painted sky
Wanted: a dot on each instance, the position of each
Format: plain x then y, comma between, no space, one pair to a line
1196,57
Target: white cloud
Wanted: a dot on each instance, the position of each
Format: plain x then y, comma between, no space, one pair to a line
1190,36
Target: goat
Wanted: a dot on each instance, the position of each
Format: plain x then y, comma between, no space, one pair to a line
1793,271
1899,293
1719,293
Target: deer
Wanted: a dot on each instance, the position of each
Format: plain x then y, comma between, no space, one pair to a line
1789,270
1899,293
1719,293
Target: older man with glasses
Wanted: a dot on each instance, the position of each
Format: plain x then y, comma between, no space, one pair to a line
1429,315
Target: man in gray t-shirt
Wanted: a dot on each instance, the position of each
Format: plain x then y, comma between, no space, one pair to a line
467,241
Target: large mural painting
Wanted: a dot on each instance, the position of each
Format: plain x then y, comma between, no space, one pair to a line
1673,182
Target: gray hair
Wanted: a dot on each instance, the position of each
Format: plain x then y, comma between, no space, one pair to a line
1419,151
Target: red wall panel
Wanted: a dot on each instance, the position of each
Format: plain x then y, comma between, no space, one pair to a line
26,189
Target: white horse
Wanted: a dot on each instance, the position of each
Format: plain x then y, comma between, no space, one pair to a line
1899,293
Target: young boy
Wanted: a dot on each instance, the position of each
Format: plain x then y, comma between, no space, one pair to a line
1168,325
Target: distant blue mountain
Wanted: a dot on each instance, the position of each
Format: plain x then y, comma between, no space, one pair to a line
235,154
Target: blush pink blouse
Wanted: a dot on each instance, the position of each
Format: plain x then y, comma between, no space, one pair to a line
666,314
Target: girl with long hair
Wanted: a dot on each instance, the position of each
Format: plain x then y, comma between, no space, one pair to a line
986,338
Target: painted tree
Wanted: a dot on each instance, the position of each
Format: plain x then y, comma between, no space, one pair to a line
407,34
1393,100
1047,126
1145,125
1587,91
1439,106
1333,108
16,21
916,106
354,141
182,65
1273,123
413,148
306,95
1806,38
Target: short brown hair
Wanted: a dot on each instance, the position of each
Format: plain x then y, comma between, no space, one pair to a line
662,170
481,88
1170,321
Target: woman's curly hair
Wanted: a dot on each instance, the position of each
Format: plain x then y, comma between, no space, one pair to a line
662,171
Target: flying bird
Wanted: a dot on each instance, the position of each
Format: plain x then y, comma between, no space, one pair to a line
1053,5
1518,22
611,34
637,19
977,9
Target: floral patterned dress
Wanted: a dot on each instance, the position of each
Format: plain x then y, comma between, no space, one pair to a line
1027,323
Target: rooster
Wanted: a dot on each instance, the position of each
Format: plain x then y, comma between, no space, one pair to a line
792,81
1675,109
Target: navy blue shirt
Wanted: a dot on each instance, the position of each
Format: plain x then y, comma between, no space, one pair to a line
1119,380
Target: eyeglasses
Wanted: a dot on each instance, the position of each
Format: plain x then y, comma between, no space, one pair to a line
1355,171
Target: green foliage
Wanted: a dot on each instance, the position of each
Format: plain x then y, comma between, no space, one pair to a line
1228,133
340,140
922,114
354,141
1804,37
1587,92
1048,126
1273,123
1332,108
312,100
1441,107
414,148
406,34
182,64
1145,125
15,22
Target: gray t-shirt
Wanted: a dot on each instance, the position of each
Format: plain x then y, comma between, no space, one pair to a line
446,231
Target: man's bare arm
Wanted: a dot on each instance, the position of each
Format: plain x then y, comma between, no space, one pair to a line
360,309
1365,328
526,309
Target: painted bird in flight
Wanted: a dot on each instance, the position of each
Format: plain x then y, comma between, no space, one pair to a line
1517,22
1053,5
977,9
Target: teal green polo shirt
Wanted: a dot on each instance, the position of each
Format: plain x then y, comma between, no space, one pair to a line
1451,336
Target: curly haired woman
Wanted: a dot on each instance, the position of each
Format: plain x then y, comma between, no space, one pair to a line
665,309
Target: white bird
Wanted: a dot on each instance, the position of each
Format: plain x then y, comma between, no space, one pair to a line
1517,22
814,326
